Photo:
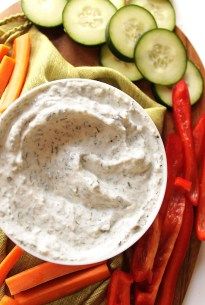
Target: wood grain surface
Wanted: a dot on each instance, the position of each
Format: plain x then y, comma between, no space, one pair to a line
83,56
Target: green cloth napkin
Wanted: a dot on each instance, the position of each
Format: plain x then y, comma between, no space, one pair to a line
46,64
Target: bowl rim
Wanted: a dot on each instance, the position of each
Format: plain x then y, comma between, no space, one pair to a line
134,237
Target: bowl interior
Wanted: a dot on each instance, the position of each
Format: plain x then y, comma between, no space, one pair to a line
113,94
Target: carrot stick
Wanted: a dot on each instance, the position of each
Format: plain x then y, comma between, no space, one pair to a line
8,263
4,50
61,287
6,69
22,55
40,274
7,301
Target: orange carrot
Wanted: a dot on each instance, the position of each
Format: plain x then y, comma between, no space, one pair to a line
4,50
8,263
6,69
7,301
21,50
61,287
40,274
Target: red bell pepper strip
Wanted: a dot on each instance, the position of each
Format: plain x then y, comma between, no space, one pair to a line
200,217
119,288
144,253
169,234
168,285
174,153
143,259
199,138
183,183
182,116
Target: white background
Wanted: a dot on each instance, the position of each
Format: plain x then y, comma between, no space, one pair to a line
191,19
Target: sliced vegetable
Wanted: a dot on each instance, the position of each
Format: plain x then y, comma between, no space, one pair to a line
194,81
162,10
168,285
126,27
6,69
183,183
7,301
44,13
119,288
111,61
9,262
170,215
38,275
200,218
199,138
4,50
143,258
22,55
161,57
174,153
61,287
85,21
118,3
182,117
169,234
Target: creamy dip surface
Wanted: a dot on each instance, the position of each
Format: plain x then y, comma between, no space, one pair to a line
82,171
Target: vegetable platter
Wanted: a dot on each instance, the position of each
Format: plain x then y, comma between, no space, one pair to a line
80,55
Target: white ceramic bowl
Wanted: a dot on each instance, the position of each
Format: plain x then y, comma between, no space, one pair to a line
105,253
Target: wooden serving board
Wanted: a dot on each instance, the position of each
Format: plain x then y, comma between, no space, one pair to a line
83,56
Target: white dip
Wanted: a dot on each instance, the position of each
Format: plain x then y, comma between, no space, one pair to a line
81,171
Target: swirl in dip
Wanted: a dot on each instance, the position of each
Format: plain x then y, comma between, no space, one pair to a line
82,171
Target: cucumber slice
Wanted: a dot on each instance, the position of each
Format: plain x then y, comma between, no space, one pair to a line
129,70
118,3
161,57
85,21
125,28
162,10
194,81
46,13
